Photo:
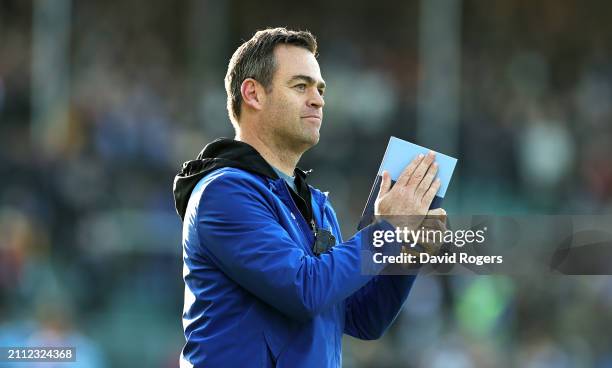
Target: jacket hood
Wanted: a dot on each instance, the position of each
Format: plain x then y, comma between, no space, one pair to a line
222,152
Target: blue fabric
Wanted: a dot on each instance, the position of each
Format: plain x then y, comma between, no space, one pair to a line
257,296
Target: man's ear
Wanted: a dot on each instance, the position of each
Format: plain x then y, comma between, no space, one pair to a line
253,94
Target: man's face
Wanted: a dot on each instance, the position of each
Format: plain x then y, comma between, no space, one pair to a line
293,108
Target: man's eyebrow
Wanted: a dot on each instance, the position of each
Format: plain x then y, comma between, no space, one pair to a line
308,79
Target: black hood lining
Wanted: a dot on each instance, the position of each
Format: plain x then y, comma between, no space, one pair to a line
222,152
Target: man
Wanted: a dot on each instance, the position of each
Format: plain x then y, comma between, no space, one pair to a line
269,281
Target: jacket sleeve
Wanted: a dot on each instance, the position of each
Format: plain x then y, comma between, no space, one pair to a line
241,233
372,309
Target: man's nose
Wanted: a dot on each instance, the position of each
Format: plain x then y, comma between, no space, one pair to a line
316,100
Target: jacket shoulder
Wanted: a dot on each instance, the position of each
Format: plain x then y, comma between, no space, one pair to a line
227,180
232,174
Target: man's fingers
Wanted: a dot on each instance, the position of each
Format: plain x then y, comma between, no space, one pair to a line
436,224
431,193
385,184
421,170
427,180
430,247
407,173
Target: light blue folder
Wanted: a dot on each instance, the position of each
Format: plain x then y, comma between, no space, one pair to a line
398,155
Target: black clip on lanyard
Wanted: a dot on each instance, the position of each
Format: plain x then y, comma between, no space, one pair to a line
324,241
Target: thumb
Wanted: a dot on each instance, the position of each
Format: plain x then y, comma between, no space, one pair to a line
438,213
385,184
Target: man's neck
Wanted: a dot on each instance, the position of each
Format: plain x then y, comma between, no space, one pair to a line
276,155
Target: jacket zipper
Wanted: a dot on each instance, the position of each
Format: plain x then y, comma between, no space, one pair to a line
313,224
295,209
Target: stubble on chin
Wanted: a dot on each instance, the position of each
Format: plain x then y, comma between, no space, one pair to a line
309,135
295,134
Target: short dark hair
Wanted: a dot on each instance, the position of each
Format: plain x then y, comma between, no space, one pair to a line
255,59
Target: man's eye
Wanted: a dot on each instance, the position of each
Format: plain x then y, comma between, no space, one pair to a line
301,87
321,92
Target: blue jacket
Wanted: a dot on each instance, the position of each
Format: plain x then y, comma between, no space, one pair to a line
255,293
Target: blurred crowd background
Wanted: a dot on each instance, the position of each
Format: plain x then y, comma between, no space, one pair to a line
101,102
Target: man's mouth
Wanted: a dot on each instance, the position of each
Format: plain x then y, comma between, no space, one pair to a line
312,117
